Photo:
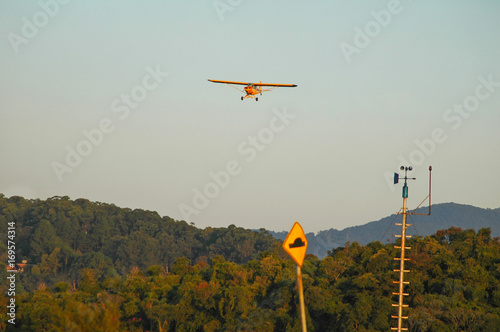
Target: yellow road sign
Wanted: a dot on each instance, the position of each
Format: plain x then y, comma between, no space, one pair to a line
295,244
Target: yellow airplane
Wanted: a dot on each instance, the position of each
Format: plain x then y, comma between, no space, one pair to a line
253,89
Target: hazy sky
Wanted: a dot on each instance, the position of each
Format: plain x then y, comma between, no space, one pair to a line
109,101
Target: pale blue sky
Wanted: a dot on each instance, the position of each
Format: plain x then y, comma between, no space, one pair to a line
64,69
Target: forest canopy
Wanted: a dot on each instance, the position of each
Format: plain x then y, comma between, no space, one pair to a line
97,267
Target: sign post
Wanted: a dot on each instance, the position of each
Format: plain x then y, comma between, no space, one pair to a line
295,245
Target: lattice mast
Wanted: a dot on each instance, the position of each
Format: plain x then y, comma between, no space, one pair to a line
402,258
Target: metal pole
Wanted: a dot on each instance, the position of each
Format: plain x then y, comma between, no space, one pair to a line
403,247
402,268
301,300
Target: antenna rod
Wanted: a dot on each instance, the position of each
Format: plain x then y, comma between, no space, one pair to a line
430,183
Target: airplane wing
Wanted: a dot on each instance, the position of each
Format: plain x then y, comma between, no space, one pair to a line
255,84
230,82
276,85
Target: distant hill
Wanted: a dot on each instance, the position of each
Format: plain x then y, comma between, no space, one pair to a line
443,216
59,237
76,233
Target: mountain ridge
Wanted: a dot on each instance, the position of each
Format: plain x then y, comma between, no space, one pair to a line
443,216
95,222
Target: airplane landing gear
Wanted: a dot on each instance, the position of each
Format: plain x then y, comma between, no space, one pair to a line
256,98
241,98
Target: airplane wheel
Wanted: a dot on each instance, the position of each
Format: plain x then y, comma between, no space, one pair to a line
257,99
241,98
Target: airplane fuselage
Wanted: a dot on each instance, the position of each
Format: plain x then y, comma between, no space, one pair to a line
252,90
